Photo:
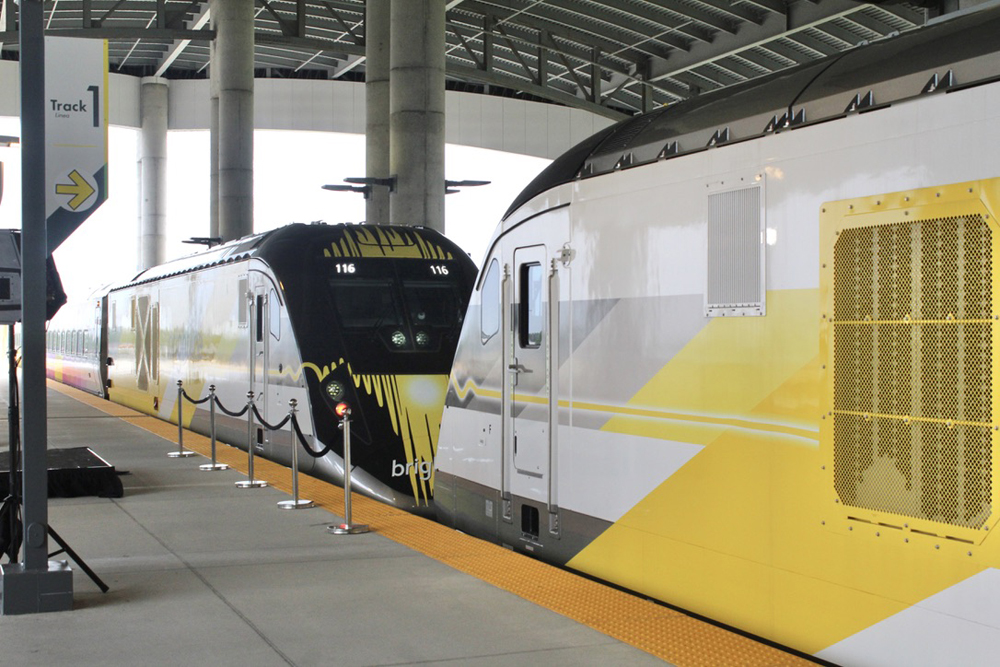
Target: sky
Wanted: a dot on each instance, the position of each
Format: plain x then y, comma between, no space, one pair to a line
290,169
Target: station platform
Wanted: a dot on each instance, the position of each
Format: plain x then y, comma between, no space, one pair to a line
203,572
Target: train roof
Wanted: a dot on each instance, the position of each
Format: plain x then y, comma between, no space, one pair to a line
256,245
957,51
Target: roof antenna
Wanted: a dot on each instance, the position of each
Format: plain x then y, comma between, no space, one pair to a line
204,240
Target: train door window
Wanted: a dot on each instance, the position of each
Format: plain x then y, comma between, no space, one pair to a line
133,313
259,318
530,306
490,303
114,316
241,297
274,315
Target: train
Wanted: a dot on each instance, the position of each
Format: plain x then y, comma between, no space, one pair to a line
324,314
738,355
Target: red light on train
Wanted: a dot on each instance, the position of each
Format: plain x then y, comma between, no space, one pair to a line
342,410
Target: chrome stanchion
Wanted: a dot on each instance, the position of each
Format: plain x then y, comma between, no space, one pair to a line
294,503
250,482
181,453
211,427
346,528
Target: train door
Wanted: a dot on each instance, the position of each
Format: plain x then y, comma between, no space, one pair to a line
527,367
259,356
534,285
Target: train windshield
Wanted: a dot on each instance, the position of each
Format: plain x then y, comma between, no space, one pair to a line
409,305
366,304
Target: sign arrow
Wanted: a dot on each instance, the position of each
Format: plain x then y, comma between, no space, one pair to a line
81,188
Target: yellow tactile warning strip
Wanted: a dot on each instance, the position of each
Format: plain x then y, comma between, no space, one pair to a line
662,632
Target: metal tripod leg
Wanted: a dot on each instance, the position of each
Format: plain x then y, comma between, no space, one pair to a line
76,559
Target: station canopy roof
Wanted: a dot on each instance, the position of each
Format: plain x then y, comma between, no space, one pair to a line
642,53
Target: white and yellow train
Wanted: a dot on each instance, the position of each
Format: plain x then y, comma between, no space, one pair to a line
323,314
738,355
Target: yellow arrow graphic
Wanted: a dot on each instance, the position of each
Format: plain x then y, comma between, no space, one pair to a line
81,188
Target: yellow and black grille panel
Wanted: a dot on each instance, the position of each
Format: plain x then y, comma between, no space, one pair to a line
373,241
913,334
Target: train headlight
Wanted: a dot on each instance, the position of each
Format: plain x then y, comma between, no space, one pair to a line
423,340
398,338
335,390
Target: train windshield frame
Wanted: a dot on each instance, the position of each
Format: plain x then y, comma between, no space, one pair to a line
412,306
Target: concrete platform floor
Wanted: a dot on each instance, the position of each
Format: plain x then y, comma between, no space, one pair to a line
203,573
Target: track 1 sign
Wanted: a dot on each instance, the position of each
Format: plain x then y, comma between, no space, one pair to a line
76,133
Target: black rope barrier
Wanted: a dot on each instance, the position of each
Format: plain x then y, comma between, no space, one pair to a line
303,440
196,402
269,427
305,444
229,412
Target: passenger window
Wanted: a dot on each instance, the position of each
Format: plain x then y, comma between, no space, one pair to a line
530,306
490,303
242,318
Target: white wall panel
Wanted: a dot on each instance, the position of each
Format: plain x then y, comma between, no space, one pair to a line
536,133
189,104
10,89
123,100
359,110
343,114
484,121
515,125
462,123
559,122
492,123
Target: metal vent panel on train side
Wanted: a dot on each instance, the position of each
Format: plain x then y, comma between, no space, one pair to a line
735,285
911,414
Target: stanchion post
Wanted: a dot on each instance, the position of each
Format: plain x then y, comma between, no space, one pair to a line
294,503
346,528
211,429
181,453
250,482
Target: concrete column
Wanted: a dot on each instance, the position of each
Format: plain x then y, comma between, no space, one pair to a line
213,150
234,65
153,171
417,112
377,21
